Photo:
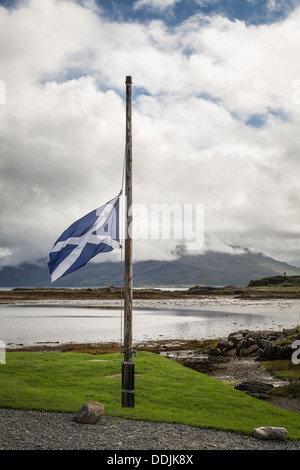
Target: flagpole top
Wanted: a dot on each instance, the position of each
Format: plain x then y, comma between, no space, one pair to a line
128,79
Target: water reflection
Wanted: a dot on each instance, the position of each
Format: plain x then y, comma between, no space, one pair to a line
30,325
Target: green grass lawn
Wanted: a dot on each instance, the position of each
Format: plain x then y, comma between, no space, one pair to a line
165,391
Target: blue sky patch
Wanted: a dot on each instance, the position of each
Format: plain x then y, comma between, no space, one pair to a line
250,11
260,120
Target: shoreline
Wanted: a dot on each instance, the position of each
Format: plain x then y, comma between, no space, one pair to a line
229,308
228,303
117,293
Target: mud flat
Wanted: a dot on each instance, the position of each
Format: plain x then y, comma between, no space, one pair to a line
224,303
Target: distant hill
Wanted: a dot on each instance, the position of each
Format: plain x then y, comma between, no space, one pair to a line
209,269
276,281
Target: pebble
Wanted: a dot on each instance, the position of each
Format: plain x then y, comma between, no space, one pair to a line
36,430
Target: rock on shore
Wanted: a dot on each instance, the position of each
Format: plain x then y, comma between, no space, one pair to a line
261,344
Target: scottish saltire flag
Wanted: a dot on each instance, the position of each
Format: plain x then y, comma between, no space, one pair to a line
94,233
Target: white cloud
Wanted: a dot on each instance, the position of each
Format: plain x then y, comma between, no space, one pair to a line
62,128
276,5
160,5
204,3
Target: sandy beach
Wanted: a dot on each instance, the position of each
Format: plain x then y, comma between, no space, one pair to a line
212,303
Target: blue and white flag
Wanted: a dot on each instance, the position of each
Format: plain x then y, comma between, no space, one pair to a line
94,233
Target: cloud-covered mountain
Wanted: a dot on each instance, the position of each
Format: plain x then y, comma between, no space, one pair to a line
210,269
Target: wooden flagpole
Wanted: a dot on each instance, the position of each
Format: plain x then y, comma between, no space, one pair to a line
128,364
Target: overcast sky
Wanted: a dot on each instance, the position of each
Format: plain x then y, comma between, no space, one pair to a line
216,118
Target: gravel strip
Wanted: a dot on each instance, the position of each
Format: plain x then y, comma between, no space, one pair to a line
35,430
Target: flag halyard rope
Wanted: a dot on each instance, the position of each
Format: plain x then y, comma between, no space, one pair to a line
122,260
